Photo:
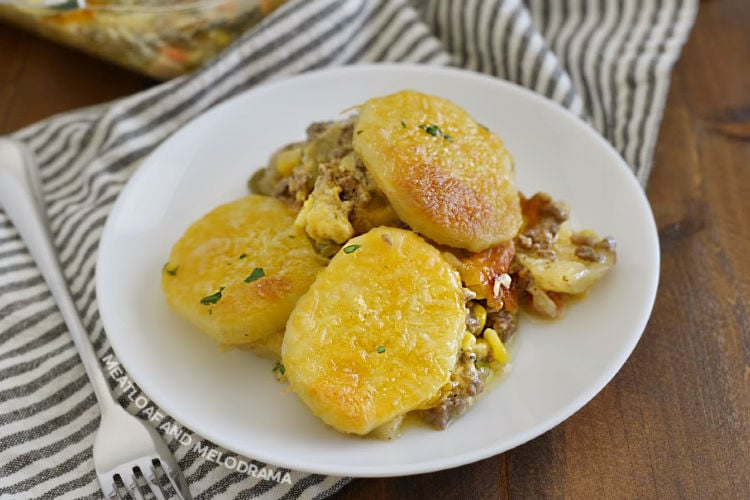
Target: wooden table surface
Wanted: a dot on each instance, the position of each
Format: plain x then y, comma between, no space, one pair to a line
675,421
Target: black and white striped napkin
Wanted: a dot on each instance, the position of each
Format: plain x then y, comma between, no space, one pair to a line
606,60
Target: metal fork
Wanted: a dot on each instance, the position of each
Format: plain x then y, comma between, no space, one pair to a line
126,449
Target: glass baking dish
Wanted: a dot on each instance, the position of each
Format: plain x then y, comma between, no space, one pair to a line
161,38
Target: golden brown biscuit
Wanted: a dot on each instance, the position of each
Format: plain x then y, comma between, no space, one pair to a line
445,175
378,332
238,271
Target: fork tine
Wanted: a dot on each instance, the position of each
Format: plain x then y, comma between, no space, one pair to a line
177,480
120,491
157,491
161,478
109,490
132,486
151,475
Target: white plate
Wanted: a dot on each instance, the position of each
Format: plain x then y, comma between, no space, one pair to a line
232,398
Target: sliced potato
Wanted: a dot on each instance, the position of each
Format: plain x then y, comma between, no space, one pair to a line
378,332
238,271
446,175
567,273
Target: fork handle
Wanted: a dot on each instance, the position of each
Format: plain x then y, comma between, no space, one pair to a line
20,197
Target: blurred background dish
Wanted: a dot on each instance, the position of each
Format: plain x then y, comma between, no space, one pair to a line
160,38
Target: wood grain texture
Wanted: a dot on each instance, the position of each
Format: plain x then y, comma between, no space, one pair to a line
675,421
39,79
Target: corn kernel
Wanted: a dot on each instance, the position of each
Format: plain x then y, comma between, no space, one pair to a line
468,342
499,353
481,315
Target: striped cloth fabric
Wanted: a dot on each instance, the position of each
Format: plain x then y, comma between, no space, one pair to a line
608,61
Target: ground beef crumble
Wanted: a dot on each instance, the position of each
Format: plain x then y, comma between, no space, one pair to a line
543,217
324,174
466,383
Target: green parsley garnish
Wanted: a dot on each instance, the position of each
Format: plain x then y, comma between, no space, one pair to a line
359,132
171,272
243,256
279,367
213,298
483,127
481,364
431,129
435,131
257,273
380,349
352,248
403,123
